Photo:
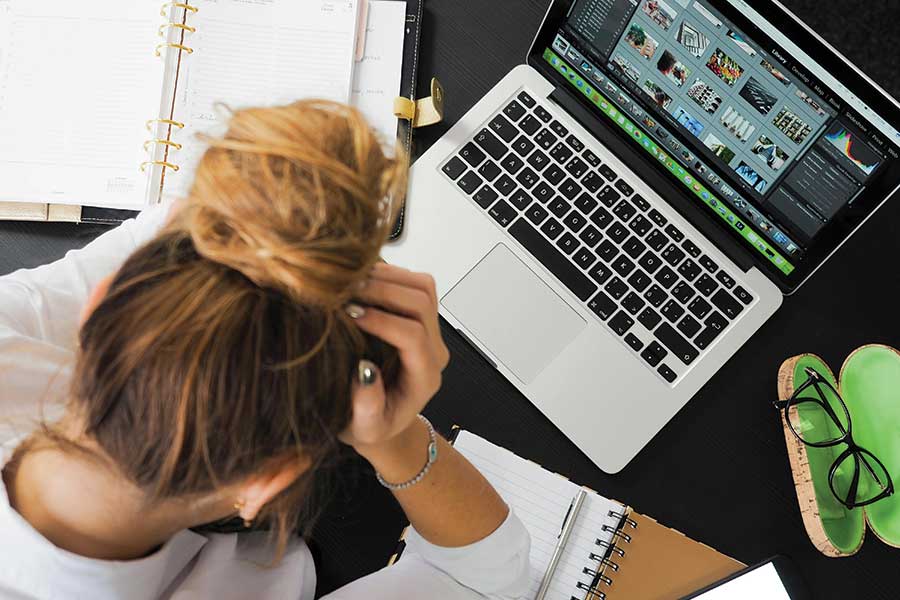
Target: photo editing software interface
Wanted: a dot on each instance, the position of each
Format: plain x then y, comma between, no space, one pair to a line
743,123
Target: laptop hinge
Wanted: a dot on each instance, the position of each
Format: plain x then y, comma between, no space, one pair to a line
643,168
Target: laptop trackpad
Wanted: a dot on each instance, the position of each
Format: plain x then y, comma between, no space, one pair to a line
507,307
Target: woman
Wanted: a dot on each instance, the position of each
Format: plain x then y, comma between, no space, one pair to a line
216,371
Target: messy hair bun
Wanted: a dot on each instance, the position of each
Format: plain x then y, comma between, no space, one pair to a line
297,199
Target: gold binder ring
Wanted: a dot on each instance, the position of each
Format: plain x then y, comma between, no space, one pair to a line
168,143
164,10
161,163
164,26
171,45
164,122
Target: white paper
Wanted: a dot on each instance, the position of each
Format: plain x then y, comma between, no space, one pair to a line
378,76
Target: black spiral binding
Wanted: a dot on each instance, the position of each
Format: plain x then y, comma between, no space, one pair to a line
604,573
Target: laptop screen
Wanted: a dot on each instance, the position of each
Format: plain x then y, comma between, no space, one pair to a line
751,126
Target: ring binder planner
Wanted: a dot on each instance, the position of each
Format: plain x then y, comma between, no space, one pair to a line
164,11
168,143
164,122
159,48
181,26
161,163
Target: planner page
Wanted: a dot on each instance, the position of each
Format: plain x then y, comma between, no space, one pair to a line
541,499
78,81
258,53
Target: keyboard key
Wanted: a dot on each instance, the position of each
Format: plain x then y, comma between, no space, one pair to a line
672,311
490,144
634,247
541,113
530,125
716,321
545,139
523,146
520,199
674,233
470,182
649,318
699,307
640,225
454,168
633,303
538,160
608,173
503,213
591,236
489,170
689,270
514,111
600,273
559,207
683,292
679,346
727,304
616,288
552,229
591,158
536,214
577,167
650,262
584,258
640,202
725,279
559,129
586,204
472,154
706,337
617,233
601,218
554,174
657,240
527,178
673,255
691,248
593,182
525,99
561,153
607,251
575,221
667,373
708,264
512,163
503,128
666,277
640,281
624,210
603,306
633,342
621,323
568,243
706,286
570,189
543,193
485,196
689,326
505,185
743,295
609,196
658,218
656,296
553,260
623,266
575,143
654,354
624,188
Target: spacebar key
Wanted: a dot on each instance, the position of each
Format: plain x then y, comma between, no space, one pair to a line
553,259
674,341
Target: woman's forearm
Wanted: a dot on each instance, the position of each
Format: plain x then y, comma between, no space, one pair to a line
454,505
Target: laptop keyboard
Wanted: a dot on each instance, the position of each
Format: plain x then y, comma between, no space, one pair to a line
637,272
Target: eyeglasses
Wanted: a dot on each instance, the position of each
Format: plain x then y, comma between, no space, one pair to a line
818,417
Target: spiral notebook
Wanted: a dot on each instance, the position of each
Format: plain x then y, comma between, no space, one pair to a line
613,553
120,135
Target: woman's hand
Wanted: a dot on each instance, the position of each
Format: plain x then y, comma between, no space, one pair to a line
401,309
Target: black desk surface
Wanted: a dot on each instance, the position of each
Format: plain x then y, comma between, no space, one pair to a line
718,471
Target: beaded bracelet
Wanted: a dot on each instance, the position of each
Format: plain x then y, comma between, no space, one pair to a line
432,457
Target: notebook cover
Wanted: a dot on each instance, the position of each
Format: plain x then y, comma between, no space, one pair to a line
663,564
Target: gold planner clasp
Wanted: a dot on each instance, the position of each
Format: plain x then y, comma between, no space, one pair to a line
164,11
426,111
186,28
159,48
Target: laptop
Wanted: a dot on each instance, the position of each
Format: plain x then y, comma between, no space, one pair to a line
614,220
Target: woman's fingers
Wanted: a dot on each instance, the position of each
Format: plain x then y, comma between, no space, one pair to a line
400,299
369,403
408,336
400,276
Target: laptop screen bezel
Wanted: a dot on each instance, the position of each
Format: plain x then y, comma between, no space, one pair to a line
877,191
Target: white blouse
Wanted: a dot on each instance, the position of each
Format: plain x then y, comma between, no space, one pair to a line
39,316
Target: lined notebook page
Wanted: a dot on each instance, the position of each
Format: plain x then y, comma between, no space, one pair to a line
541,499
259,53
78,80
